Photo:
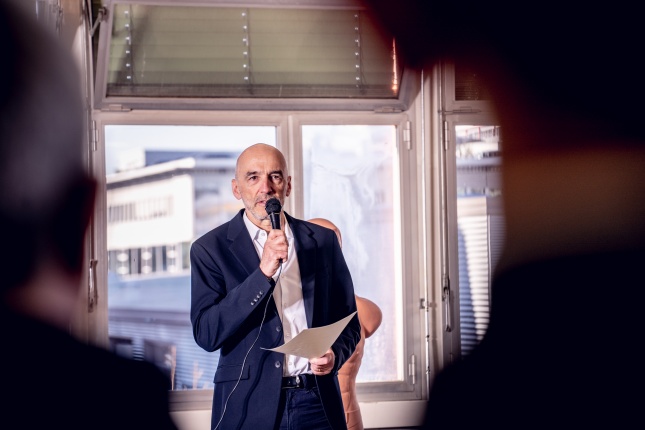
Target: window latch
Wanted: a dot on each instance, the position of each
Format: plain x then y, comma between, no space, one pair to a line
445,298
91,291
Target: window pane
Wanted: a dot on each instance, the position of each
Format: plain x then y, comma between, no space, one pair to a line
206,51
166,186
480,225
351,177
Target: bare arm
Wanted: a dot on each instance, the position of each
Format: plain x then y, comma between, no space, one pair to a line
369,314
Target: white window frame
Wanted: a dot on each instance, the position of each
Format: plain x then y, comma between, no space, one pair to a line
412,352
381,402
451,114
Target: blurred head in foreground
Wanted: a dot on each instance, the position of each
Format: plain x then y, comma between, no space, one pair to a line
46,198
565,82
45,194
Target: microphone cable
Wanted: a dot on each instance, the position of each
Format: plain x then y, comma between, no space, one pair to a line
266,306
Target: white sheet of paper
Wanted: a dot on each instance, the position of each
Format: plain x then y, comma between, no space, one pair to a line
313,342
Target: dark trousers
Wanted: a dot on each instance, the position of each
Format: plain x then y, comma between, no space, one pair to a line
301,408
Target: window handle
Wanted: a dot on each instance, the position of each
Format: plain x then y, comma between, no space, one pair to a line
445,298
91,292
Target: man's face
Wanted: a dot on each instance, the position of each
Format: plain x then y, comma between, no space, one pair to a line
260,175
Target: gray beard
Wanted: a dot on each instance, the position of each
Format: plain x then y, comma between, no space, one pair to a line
257,216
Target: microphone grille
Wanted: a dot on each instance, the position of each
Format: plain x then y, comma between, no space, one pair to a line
273,206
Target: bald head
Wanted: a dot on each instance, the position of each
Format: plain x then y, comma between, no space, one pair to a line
260,174
259,151
330,225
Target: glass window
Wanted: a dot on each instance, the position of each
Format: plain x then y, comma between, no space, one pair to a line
480,226
176,179
351,178
176,182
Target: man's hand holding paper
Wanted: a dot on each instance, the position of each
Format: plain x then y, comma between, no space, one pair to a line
323,365
315,344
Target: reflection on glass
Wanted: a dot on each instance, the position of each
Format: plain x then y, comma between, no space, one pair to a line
351,178
166,186
480,225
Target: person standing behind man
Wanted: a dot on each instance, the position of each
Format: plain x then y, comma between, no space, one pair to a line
50,378
254,287
370,317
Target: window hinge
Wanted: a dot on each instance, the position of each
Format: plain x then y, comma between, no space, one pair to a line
412,369
406,135
101,16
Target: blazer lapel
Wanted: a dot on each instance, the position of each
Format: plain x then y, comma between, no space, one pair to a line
306,250
241,244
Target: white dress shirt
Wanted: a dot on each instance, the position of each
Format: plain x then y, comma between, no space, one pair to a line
287,295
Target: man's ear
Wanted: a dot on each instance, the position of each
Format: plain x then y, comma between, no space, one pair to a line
288,191
70,221
236,191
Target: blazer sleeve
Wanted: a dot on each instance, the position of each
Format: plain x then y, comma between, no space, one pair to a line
219,310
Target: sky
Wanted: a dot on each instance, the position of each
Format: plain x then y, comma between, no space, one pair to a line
125,140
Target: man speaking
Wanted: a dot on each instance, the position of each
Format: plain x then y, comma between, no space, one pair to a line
255,287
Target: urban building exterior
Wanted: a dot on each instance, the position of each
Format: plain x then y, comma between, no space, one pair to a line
156,207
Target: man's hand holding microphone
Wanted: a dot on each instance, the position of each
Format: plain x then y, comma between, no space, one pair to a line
276,247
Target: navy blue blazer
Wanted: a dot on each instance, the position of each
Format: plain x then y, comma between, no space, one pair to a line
229,297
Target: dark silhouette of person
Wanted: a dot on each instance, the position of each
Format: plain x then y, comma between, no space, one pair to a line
52,379
565,80
370,317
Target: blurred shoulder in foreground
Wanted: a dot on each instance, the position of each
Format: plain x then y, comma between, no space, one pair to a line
46,200
566,295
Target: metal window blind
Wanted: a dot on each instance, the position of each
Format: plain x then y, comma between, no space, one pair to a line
207,51
480,241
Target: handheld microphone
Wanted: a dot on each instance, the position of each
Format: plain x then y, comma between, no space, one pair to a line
273,208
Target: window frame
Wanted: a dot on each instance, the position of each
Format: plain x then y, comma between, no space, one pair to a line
289,139
105,103
425,106
453,348
429,172
376,391
453,113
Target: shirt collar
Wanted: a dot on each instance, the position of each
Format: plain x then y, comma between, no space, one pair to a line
254,230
